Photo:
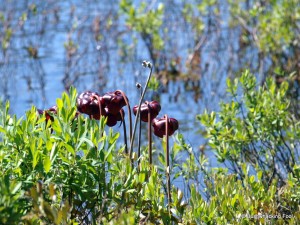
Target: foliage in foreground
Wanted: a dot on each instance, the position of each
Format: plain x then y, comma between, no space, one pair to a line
69,171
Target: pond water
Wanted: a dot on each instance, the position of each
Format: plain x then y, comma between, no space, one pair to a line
47,46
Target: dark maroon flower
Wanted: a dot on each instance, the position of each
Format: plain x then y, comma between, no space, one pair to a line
40,111
159,126
111,118
114,101
87,102
153,106
118,116
53,110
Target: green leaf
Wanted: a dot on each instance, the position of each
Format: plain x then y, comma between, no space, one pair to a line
69,148
53,152
108,156
59,103
82,140
56,126
16,188
47,164
2,130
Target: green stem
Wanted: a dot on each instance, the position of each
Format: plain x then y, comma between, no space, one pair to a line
140,134
149,136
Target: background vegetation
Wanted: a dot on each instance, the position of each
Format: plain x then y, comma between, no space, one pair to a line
48,46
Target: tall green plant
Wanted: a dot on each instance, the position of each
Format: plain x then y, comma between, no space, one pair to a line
256,128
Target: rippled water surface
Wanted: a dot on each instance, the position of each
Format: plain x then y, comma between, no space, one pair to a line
52,45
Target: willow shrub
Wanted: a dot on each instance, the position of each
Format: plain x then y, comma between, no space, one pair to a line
71,170
74,171
256,137
256,128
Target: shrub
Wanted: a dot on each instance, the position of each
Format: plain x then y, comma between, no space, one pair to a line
256,128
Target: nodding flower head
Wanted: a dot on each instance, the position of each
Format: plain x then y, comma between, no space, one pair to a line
111,118
53,110
48,112
114,101
87,103
146,64
153,107
159,126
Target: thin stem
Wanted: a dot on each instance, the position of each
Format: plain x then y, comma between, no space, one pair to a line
139,109
140,134
71,190
129,113
100,111
168,164
99,104
149,136
124,130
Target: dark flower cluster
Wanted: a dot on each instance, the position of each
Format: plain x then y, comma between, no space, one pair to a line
152,109
109,105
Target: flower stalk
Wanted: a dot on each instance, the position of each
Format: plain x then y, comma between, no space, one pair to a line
124,130
168,164
149,135
139,86
129,113
149,65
